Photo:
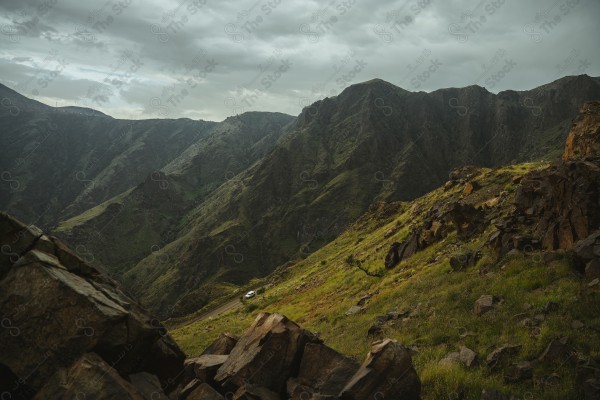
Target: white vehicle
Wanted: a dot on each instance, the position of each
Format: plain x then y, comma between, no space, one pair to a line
250,294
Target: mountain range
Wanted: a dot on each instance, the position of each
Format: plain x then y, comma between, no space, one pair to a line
184,212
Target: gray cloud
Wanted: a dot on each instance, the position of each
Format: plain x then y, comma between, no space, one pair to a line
209,59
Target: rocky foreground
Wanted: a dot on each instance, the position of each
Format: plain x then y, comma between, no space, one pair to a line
71,333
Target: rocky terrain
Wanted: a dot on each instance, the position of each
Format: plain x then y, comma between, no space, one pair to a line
70,332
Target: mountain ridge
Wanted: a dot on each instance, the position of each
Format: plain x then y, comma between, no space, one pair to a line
341,154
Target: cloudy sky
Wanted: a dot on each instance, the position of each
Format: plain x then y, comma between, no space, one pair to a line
211,59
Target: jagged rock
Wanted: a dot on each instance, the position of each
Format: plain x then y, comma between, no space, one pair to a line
558,206
189,388
63,312
467,356
467,220
396,315
363,300
392,258
147,385
493,202
502,353
88,377
484,304
470,187
15,238
586,255
463,173
584,137
518,372
222,345
401,251
206,366
266,355
557,351
323,372
438,229
204,392
353,310
594,282
377,328
462,261
592,269
254,392
387,371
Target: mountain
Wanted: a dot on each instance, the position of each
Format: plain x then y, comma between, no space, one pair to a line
59,162
372,142
149,214
485,287
491,281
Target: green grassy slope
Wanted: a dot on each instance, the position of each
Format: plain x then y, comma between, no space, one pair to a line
318,290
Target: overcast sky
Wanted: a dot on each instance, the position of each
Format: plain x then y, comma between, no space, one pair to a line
210,59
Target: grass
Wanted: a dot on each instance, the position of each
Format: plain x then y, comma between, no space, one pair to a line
318,290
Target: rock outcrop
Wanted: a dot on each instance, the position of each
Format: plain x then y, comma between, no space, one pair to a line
386,373
70,329
277,359
267,355
71,332
465,219
584,138
558,206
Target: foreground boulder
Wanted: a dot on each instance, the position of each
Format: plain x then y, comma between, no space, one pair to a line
266,355
387,372
68,323
323,372
88,377
276,359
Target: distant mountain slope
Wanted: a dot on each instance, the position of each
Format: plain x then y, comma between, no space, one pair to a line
59,162
149,214
372,142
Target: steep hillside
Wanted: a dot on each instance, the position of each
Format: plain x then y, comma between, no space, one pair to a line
373,142
149,215
466,277
59,162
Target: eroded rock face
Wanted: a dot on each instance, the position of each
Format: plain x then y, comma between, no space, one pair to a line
464,218
323,372
387,372
65,316
276,359
89,377
222,345
558,206
584,137
266,355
